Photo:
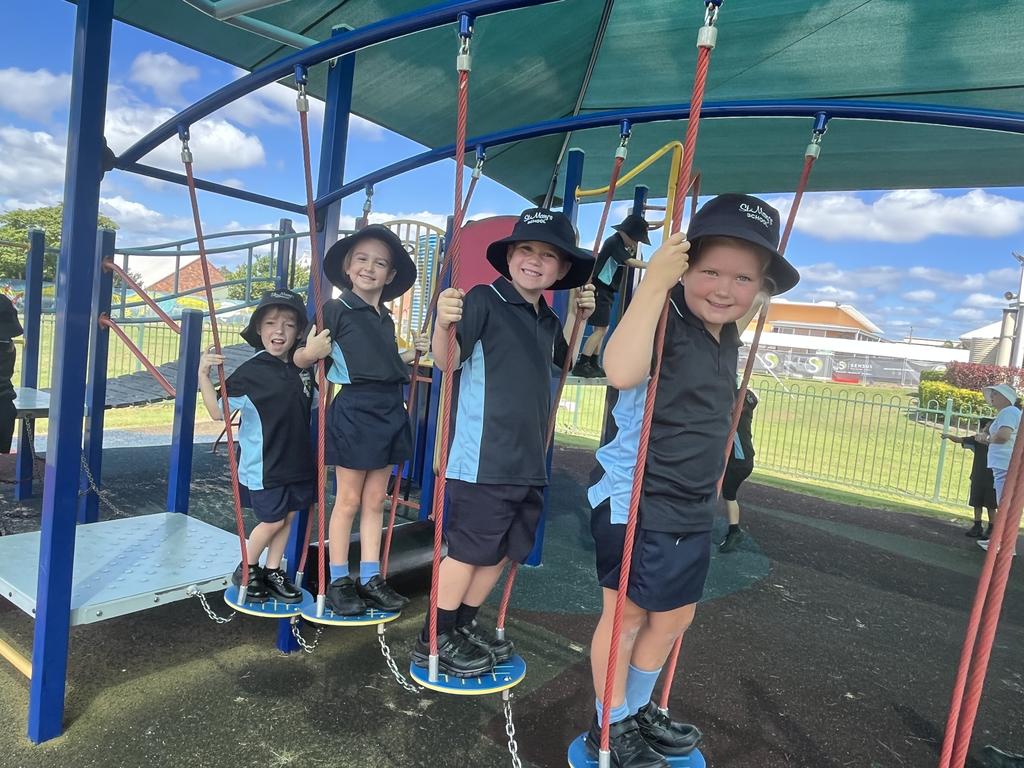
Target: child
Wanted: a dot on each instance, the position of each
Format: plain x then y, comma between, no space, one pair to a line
734,253
275,467
738,469
367,425
618,251
507,341
983,489
9,328
1000,436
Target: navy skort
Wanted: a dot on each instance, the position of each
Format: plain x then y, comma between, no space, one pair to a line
271,505
487,523
368,427
668,570
604,297
735,473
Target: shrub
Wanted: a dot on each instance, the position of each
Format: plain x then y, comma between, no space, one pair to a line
933,375
963,399
976,376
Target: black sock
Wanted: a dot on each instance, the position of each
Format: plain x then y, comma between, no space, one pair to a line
445,623
466,614
734,527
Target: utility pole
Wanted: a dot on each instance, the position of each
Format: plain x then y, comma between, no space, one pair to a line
1016,349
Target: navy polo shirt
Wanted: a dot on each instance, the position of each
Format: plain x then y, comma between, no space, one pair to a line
363,345
610,261
503,387
273,398
690,424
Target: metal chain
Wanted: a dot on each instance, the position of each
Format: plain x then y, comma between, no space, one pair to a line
510,731
402,680
103,496
194,591
308,647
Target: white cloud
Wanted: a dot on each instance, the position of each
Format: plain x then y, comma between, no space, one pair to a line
364,129
985,301
234,183
831,293
133,217
216,144
969,313
31,166
33,95
923,295
952,281
163,74
906,216
876,277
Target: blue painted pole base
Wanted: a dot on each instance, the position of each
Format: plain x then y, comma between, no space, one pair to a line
506,675
270,609
579,757
369,618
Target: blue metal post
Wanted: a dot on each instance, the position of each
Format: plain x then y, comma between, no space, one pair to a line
96,388
570,207
74,321
283,251
640,193
179,476
30,357
333,146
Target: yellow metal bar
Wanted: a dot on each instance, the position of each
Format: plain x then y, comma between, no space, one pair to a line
20,662
673,186
673,146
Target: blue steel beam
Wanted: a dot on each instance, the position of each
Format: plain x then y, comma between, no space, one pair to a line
74,321
179,475
96,386
981,119
338,45
212,186
30,357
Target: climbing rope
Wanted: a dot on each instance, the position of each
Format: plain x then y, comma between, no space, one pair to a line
186,159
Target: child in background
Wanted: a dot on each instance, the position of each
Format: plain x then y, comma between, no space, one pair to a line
983,489
10,327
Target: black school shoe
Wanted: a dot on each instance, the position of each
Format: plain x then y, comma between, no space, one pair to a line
584,369
665,735
456,656
479,636
257,591
343,599
280,587
626,744
975,531
377,593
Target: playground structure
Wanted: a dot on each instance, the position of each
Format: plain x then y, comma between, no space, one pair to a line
57,537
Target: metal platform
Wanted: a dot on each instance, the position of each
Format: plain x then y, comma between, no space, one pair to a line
505,675
579,757
126,565
31,403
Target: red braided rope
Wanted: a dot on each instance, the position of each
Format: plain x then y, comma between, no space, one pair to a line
229,437
983,619
411,405
316,277
446,380
689,146
577,326
506,596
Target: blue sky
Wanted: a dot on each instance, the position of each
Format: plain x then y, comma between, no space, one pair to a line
935,261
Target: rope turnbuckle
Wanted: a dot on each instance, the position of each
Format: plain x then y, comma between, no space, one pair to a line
464,61
186,153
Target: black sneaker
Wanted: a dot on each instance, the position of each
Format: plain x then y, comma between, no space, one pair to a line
456,656
664,735
280,587
378,594
583,368
975,531
479,636
343,599
996,758
626,744
732,541
597,370
257,591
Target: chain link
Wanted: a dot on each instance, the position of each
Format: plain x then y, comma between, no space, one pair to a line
510,731
103,496
194,591
402,680
308,647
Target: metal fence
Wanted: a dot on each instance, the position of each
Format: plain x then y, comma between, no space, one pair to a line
849,436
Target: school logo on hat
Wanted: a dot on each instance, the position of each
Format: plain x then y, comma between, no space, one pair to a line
759,214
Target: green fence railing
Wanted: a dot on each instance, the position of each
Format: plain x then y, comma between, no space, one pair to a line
853,436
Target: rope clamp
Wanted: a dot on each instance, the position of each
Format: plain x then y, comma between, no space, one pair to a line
186,153
464,61
481,158
368,202
817,134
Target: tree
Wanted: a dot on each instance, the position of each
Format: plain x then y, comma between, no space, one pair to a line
264,273
14,227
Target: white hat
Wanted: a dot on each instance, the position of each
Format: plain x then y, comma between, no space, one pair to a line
1003,389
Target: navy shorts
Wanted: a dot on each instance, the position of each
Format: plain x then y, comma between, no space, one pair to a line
272,505
487,523
735,473
604,297
668,570
368,427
